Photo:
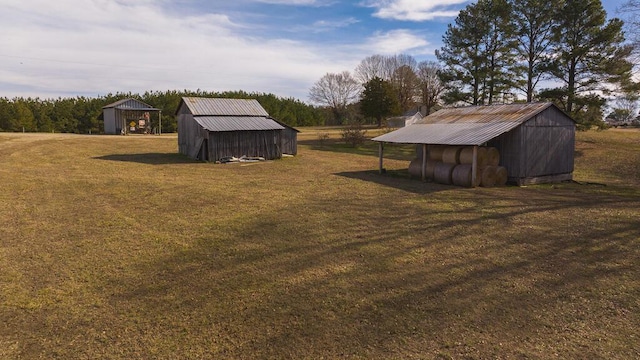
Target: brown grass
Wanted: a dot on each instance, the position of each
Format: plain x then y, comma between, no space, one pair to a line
119,248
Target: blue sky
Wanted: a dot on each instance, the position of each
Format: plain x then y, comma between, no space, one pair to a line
62,48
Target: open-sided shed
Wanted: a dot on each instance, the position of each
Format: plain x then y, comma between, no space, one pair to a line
211,129
129,116
536,141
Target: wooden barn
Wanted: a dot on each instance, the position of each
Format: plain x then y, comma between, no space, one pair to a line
130,116
535,141
211,129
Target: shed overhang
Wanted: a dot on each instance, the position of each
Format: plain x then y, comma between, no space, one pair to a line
447,134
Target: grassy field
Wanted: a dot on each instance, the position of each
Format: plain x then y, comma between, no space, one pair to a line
120,248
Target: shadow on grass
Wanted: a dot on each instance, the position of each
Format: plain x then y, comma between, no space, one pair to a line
369,148
397,179
149,158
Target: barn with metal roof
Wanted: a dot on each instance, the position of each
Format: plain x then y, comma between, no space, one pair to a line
211,129
536,141
130,116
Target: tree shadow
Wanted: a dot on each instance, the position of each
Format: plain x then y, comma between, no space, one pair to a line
368,148
149,158
397,179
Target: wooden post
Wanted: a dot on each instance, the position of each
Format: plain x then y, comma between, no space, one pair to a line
424,162
381,151
160,122
474,166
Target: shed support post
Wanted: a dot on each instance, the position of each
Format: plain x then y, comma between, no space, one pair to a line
424,162
474,167
160,122
381,151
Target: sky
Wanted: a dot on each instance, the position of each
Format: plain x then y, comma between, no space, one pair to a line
68,48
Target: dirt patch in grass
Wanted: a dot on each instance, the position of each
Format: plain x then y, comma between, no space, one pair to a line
117,247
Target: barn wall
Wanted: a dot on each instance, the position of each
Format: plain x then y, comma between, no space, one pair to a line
289,144
109,116
190,135
539,149
266,143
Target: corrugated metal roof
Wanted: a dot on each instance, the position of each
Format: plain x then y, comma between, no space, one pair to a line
237,123
473,125
224,107
447,134
518,113
130,104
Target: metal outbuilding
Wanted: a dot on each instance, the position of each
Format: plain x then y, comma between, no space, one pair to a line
130,116
536,141
211,129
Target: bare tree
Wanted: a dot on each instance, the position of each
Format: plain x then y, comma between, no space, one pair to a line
371,67
631,11
401,70
336,91
431,87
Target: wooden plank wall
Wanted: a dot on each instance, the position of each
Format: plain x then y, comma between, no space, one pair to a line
266,143
539,148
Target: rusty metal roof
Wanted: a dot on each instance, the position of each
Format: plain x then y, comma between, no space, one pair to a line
237,123
472,125
130,104
483,114
224,107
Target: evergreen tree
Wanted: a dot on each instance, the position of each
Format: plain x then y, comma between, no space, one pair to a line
378,100
588,57
534,22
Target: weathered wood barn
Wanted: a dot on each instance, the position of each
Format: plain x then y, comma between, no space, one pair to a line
536,141
130,116
210,129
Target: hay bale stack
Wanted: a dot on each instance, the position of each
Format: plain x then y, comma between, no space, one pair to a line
466,156
462,176
488,178
435,152
451,155
415,168
492,157
442,172
501,176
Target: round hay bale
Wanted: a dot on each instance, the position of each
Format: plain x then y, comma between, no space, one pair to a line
466,155
415,168
431,167
461,175
493,156
501,176
442,173
482,157
488,178
451,155
435,152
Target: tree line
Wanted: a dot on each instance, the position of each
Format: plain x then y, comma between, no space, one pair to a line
501,51
82,115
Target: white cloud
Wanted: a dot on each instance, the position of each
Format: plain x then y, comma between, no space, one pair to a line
415,10
92,47
396,42
294,2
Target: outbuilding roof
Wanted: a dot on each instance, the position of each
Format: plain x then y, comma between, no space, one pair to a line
237,123
224,107
130,104
472,125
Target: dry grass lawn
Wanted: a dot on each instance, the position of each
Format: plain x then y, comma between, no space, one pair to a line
120,248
